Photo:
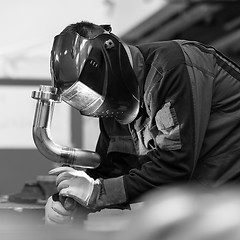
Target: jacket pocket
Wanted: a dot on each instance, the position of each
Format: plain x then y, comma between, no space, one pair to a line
168,130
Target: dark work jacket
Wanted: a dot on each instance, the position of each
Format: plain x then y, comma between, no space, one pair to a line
188,127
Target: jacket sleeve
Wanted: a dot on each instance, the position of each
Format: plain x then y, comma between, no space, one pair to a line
170,159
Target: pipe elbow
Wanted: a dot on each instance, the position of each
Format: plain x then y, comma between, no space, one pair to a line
61,154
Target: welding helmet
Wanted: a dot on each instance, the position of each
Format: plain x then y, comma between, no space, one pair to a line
94,75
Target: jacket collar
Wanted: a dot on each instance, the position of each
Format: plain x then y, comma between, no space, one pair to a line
138,67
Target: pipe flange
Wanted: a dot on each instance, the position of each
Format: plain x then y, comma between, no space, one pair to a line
46,93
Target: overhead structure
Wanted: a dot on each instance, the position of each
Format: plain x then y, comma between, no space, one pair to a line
213,22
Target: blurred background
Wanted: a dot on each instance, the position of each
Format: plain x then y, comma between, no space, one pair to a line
27,31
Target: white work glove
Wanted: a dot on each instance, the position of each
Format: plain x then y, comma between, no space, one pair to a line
74,183
55,213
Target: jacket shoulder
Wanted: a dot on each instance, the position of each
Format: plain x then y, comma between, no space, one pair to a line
164,55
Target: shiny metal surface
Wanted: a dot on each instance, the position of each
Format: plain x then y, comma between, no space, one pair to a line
46,98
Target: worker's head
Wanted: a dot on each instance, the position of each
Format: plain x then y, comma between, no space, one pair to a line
92,71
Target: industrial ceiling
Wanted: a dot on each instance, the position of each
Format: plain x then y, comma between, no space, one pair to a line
212,22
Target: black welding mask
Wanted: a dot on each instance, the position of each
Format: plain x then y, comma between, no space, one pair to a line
95,76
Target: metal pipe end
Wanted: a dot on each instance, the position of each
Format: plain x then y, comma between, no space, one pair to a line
46,93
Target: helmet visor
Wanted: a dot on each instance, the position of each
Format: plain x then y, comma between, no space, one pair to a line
82,97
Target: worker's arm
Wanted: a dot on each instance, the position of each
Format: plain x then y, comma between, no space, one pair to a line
171,148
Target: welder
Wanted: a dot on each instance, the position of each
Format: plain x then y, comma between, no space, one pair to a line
169,113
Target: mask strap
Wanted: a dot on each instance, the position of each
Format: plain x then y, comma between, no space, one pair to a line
128,53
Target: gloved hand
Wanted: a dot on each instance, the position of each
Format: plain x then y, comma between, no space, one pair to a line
75,184
93,194
55,213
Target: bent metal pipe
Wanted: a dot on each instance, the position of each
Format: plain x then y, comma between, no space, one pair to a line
46,98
